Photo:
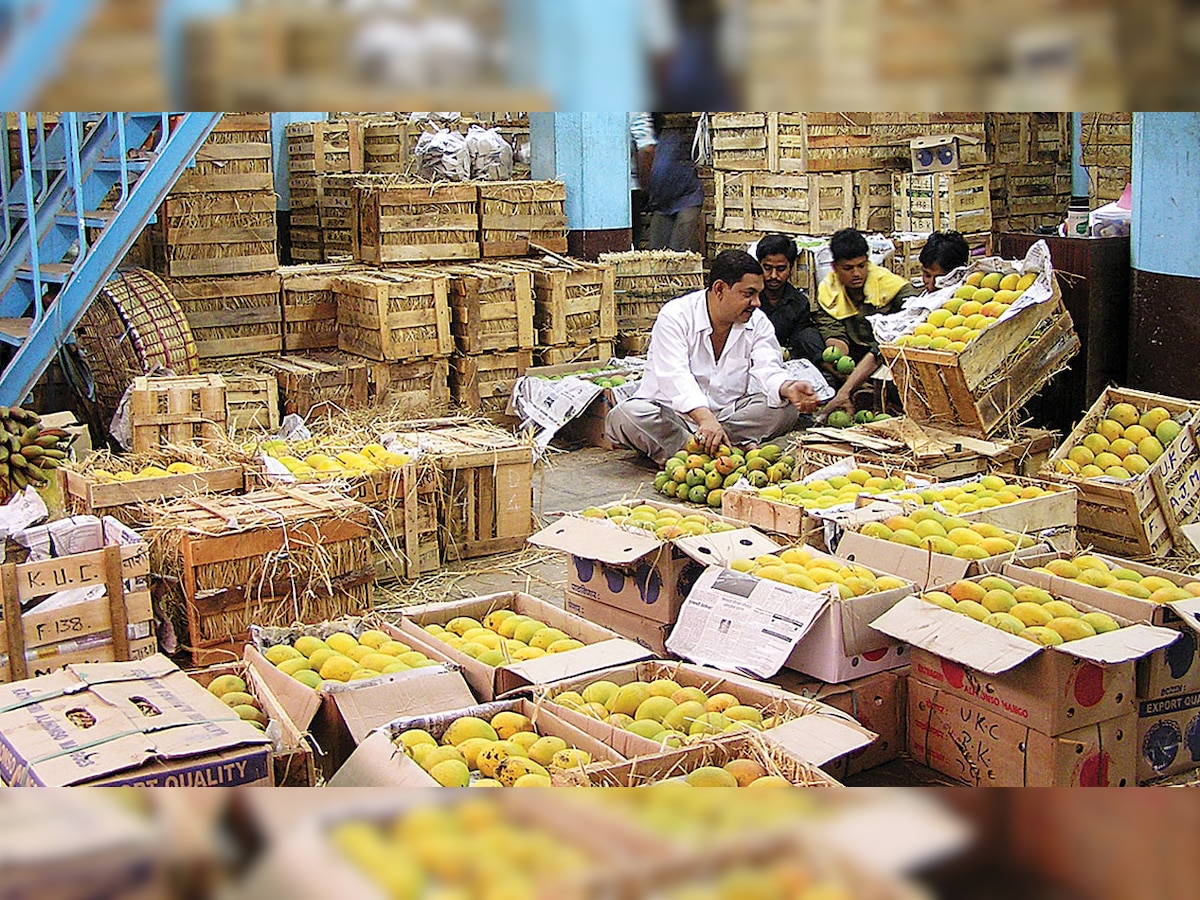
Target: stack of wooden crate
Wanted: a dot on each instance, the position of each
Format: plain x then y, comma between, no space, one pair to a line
1106,148
513,215
1031,168
316,149
403,222
643,282
215,241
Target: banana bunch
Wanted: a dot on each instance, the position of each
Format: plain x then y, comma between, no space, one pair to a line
349,463
28,452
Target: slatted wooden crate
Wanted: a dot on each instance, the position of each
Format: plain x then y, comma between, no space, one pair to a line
484,384
387,147
1028,138
1108,182
417,222
907,261
982,389
891,133
644,280
338,211
1141,517
270,557
217,231
252,402
634,343
959,201
185,410
514,214
89,493
417,388
393,316
1037,190
236,156
309,306
790,142
115,627
1106,139
792,204
490,308
232,316
873,201
486,490
574,301
595,351
319,382
325,148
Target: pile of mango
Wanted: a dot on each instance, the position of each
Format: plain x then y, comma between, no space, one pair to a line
987,492
693,476
151,471
1097,573
317,466
974,308
667,524
930,530
1124,444
799,568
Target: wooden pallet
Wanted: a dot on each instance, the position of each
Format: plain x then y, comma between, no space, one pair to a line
418,222
251,559
116,627
959,201
1141,517
791,204
513,214
490,308
394,316
325,147
184,410
481,383
309,306
982,389
486,497
235,316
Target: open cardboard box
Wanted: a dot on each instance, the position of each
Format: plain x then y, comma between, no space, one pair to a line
143,723
743,623
631,568
1050,689
824,735
603,647
379,762
339,716
649,633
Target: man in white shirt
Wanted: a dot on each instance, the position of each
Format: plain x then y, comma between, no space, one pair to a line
714,371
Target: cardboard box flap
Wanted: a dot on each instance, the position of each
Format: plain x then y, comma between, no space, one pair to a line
156,666
724,547
590,658
819,739
376,762
1188,611
955,636
118,755
858,636
365,706
298,700
37,690
1122,645
155,704
595,539
925,569
196,740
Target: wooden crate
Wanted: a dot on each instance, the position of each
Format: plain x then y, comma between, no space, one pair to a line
1106,139
319,382
644,280
599,352
325,147
790,142
219,231
486,491
270,557
482,383
982,389
417,222
574,301
418,388
891,133
761,202
1108,182
252,402
338,208
1028,138
490,308
907,261
873,201
116,627
309,306
393,316
236,156
959,201
514,214
184,410
1037,190
84,493
635,343
1140,517
388,146
232,316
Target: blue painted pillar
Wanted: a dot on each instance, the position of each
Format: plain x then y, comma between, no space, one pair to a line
589,151
1165,321
1080,185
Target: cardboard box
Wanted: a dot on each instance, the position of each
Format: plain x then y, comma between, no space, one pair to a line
1168,736
970,743
142,723
878,702
649,633
603,647
633,570
339,716
826,734
1171,671
378,762
1053,690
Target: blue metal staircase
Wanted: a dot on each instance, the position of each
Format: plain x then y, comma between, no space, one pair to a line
72,207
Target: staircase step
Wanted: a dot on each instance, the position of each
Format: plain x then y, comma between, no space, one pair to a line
105,164
52,273
96,218
14,331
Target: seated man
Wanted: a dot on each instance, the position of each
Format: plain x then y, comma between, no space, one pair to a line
855,289
785,304
713,371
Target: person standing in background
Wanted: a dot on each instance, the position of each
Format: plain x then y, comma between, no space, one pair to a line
674,194
786,305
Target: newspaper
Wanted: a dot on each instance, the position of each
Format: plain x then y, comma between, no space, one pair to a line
549,405
739,623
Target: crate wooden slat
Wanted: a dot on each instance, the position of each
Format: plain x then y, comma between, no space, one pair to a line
596,351
184,410
959,201
387,147
270,557
644,280
232,316
480,383
222,230
417,222
791,142
513,214
1132,519
981,389
118,626
1028,137
84,494
486,503
491,308
319,381
325,147
1108,182
792,204
907,261
309,306
891,133
634,343
391,316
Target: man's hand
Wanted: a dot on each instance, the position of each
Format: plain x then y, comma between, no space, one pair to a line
839,401
800,394
710,434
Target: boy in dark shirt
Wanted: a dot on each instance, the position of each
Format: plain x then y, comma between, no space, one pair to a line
786,305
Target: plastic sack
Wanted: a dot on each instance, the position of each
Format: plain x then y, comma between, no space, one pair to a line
443,156
491,155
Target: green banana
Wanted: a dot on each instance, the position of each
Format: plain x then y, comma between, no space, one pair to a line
18,479
35,475
51,453
45,440
30,436
32,453
49,462
26,416
17,461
